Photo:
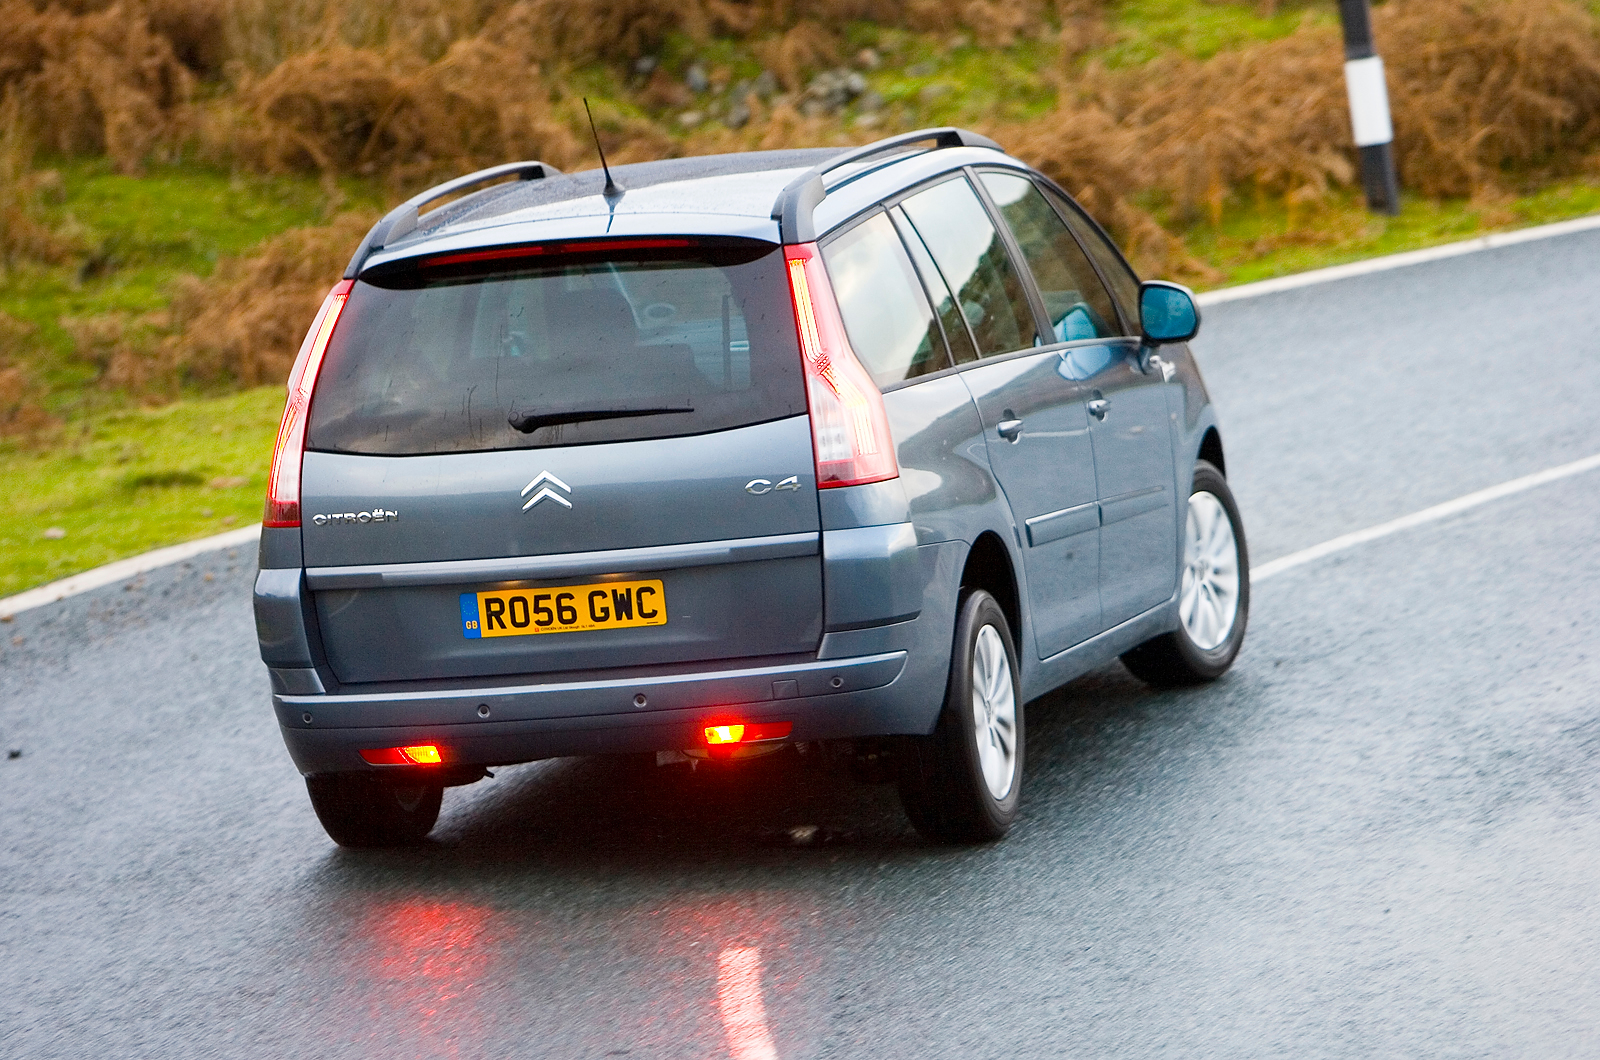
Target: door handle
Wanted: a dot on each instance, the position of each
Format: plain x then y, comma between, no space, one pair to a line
1010,430
1098,408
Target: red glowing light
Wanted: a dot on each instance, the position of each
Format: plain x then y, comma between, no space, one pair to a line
746,732
422,754
719,734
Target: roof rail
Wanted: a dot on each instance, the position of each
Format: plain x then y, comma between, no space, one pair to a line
402,220
793,209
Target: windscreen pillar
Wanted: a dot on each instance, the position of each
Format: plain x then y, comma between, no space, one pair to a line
1369,108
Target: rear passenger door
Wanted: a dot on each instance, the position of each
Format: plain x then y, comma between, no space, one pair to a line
1127,407
1035,426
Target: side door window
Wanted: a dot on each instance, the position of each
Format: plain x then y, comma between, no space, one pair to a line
1119,276
1077,303
886,314
972,256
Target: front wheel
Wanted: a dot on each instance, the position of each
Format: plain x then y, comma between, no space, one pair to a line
359,810
963,783
1214,597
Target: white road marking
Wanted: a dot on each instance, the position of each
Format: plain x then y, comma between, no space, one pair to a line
1427,515
127,568
744,1017
1397,261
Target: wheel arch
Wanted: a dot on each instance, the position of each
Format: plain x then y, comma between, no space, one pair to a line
989,567
1211,450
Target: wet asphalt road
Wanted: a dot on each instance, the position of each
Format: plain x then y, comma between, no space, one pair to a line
1377,836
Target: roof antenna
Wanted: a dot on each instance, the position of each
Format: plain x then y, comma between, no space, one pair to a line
611,190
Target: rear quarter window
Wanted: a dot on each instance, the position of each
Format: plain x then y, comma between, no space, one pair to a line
890,323
559,349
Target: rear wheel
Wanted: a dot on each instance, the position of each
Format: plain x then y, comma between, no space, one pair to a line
359,810
962,784
1214,598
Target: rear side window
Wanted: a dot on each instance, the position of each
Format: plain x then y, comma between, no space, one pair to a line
555,348
1074,298
886,313
973,258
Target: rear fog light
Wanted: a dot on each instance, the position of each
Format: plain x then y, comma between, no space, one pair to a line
744,732
422,754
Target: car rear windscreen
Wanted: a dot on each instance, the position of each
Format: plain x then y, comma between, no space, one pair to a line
544,346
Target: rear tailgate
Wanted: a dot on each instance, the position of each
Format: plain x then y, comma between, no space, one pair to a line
581,460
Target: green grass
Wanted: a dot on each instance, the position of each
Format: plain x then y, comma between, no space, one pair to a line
138,234
1145,30
135,480
1262,241
970,84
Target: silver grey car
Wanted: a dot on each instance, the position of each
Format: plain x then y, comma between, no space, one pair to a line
851,451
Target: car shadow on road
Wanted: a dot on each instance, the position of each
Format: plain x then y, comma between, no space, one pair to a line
579,820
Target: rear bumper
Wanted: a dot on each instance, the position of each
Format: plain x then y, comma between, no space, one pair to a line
824,699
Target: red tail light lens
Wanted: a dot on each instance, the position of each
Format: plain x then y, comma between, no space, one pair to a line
720,734
744,732
422,754
283,484
849,427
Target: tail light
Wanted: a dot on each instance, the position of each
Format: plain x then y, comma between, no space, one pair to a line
849,427
283,484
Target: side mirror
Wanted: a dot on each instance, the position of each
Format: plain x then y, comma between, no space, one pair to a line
1167,312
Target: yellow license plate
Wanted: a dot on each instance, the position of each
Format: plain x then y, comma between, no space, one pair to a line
563,609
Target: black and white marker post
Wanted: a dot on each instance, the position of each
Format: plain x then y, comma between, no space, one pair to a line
1369,108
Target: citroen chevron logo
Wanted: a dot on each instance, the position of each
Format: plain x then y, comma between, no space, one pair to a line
546,493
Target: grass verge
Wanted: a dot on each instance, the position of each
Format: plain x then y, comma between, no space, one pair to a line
1269,240
131,481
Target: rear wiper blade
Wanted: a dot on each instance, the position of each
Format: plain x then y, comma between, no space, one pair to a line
528,422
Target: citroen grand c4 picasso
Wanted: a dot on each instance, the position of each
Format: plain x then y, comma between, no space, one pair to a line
710,456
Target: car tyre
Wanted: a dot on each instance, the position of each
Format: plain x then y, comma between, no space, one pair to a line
358,810
1213,596
962,783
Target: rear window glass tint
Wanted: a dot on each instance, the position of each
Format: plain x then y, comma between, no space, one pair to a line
886,314
621,347
973,259
1074,298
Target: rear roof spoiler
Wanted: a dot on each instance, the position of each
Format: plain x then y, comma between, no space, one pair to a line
402,220
796,202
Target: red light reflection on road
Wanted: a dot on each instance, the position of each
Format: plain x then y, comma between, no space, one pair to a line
426,966
717,975
744,1014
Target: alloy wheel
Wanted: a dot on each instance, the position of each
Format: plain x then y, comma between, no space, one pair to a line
994,712
1209,602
